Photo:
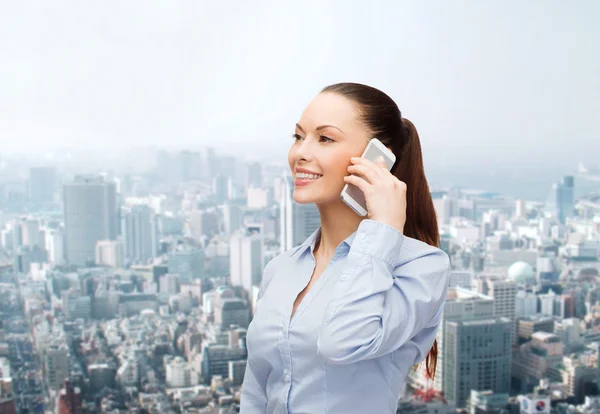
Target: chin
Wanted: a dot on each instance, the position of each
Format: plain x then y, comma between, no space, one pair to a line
303,198
307,198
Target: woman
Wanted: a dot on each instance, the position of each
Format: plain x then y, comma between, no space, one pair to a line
341,319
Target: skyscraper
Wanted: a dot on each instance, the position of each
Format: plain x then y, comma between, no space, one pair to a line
56,365
109,253
190,163
477,357
188,264
233,217
504,293
254,176
140,237
246,259
55,246
90,216
561,202
222,188
474,347
297,221
31,234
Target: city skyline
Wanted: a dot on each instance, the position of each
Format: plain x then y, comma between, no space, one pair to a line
147,215
488,85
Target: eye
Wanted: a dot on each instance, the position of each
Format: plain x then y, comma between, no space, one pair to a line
327,139
296,137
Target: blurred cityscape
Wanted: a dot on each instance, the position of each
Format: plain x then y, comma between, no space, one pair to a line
131,292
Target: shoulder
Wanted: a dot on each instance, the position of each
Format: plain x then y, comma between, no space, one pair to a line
424,265
417,253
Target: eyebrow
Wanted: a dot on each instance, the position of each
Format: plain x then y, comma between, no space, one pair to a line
320,128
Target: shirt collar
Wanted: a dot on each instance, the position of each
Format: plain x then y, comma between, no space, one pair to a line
310,242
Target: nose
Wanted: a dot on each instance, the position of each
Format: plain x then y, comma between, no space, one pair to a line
304,150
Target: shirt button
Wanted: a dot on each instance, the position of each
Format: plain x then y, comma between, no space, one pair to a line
361,236
287,377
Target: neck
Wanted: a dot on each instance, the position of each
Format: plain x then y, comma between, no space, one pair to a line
338,221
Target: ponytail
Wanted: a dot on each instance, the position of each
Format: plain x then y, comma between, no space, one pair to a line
383,118
421,220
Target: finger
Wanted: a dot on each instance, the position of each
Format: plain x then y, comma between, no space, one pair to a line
381,162
369,164
359,182
368,173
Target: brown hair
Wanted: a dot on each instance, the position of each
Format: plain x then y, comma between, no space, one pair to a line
381,115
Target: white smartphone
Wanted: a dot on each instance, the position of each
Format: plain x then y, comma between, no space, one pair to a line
352,195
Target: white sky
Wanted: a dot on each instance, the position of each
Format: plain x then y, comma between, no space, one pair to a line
486,79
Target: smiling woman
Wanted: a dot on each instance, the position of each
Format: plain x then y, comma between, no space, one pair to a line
341,319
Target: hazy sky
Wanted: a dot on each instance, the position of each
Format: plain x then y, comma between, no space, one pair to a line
508,81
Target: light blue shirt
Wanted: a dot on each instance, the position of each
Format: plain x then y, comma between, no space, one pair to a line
369,318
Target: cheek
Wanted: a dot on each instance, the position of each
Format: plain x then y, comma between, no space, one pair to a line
338,167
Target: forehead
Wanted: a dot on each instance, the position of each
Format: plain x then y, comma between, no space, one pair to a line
332,109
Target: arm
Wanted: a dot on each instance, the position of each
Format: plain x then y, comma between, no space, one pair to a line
388,292
254,397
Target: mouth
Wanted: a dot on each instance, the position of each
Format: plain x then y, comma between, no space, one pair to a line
301,176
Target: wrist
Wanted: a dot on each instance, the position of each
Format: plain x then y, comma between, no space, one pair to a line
397,226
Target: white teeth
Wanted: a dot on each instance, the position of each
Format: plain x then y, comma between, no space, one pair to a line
305,176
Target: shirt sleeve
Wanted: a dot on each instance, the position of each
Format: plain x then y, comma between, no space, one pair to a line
389,290
254,397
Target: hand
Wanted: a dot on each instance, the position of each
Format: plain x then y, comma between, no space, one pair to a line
385,195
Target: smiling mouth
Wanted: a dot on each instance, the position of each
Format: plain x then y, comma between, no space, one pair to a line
307,177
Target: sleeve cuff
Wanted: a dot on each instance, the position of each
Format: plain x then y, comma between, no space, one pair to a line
379,240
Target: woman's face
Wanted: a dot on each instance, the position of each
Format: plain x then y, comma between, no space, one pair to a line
327,135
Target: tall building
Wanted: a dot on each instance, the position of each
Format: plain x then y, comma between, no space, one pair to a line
190,163
56,365
231,311
212,163
232,217
520,209
254,176
546,268
76,305
90,215
203,223
561,201
478,356
188,264
504,293
42,185
222,188
246,259
297,221
526,304
140,233
31,234
168,284
109,253
474,347
55,246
